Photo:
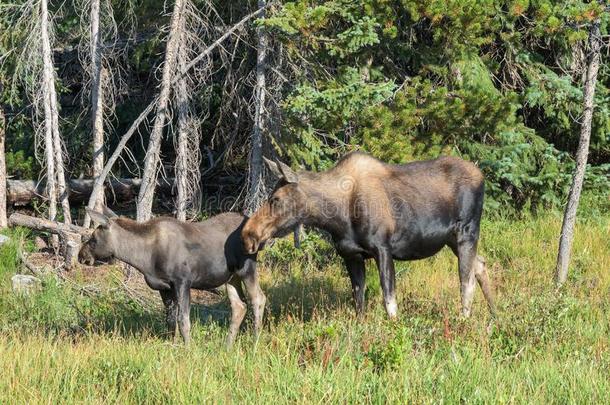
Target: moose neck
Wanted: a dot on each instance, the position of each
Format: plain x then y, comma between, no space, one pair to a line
328,203
133,247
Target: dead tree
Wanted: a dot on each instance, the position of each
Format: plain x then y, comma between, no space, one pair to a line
71,236
151,161
188,176
98,186
97,96
182,147
34,70
3,222
255,178
56,181
49,118
62,188
569,218
186,140
100,54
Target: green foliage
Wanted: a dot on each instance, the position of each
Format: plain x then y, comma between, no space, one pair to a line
9,251
315,250
558,100
390,355
544,347
329,107
415,79
19,165
498,82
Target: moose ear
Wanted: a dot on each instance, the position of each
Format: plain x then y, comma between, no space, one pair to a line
287,173
273,167
282,170
98,217
109,213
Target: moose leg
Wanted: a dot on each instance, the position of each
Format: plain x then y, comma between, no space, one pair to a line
467,253
355,269
171,309
257,297
387,276
480,272
238,312
184,309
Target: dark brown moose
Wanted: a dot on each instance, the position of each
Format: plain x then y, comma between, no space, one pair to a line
376,210
176,256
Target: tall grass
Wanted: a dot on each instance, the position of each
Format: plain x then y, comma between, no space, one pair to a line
546,346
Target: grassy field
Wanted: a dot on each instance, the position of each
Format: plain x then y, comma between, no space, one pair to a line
66,344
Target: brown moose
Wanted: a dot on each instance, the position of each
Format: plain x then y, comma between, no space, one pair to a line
176,256
376,210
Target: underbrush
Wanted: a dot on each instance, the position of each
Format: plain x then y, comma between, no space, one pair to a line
68,344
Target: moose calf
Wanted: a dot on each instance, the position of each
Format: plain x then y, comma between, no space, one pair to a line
176,256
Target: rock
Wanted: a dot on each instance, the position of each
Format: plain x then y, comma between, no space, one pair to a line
40,243
25,284
4,239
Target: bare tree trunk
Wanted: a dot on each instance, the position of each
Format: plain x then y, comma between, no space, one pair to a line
182,148
62,188
181,186
182,99
98,187
97,96
151,161
188,175
3,222
53,146
255,180
49,119
569,218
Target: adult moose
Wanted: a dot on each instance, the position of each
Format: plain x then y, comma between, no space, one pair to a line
376,210
176,256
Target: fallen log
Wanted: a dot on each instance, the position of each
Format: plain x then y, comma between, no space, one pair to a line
71,236
41,224
23,192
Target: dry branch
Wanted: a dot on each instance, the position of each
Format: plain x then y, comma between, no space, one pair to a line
99,182
41,224
214,44
98,185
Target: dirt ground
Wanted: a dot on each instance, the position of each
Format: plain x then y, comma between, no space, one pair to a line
98,276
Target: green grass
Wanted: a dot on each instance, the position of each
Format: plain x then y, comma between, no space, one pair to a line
547,346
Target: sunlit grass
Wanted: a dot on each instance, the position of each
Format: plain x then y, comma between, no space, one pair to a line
546,346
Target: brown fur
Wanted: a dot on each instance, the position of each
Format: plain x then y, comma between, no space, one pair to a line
176,256
377,210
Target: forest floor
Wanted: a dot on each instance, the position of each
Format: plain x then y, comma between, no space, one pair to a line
92,336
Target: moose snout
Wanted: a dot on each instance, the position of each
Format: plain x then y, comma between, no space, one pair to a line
85,256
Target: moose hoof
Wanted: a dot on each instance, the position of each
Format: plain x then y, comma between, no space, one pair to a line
391,308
